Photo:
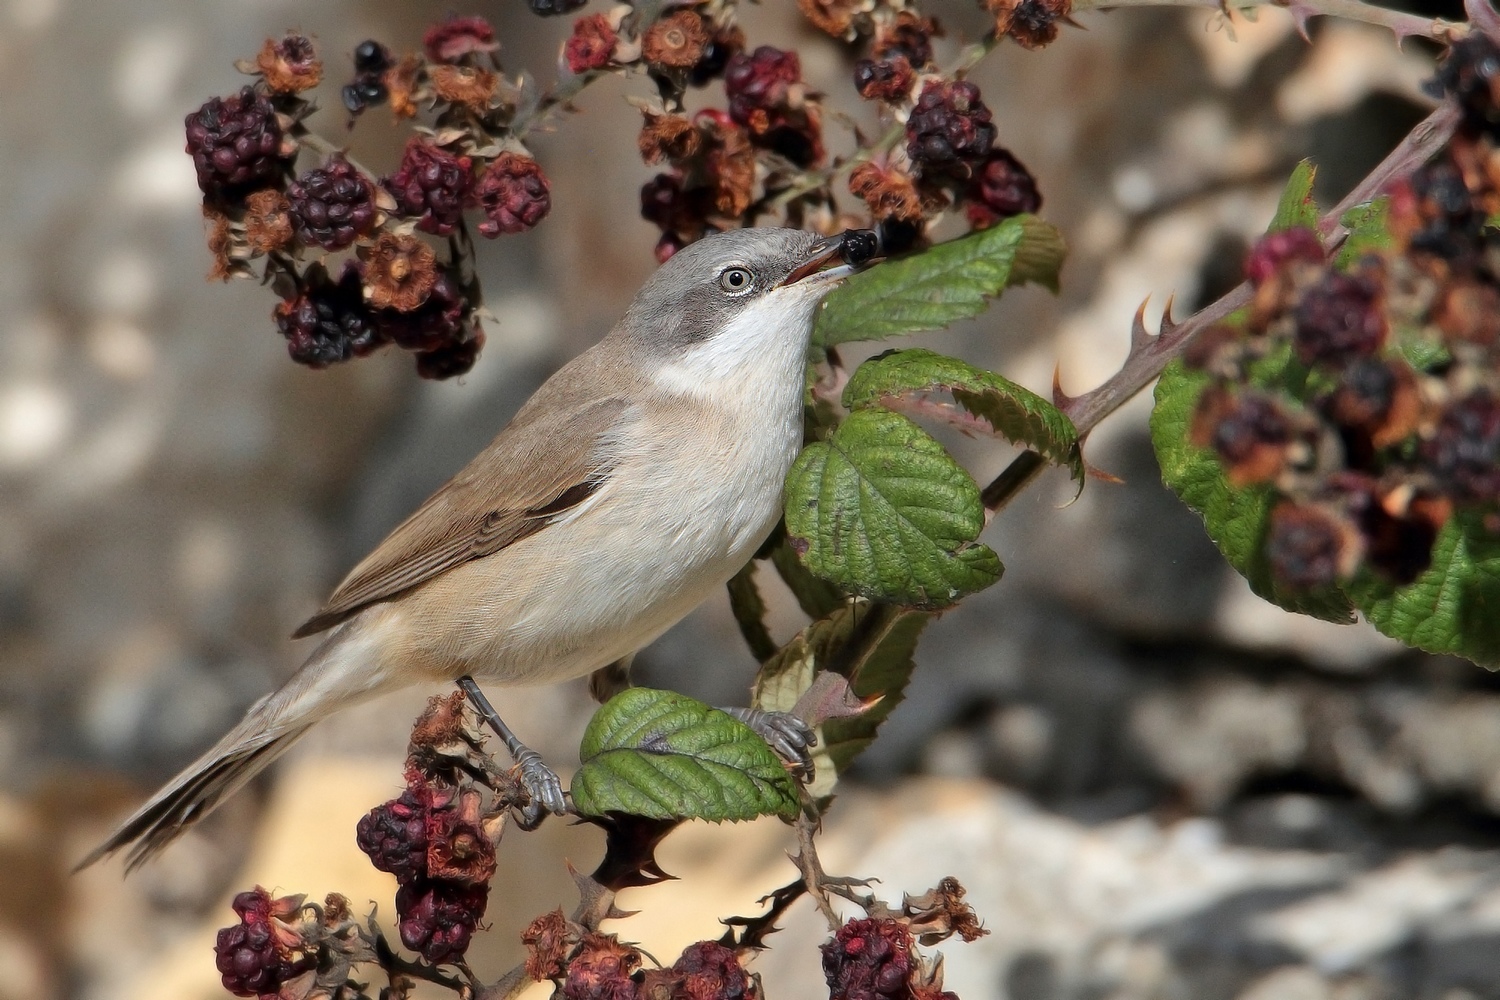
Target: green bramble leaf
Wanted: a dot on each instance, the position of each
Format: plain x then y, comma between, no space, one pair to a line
1016,413
1297,207
662,755
882,510
1236,519
1454,607
1369,231
871,645
815,596
946,283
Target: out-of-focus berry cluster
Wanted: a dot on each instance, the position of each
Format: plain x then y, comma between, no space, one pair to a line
764,152
587,965
1383,417
876,957
389,284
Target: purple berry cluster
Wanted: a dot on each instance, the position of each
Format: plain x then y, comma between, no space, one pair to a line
392,288
265,950
432,839
1382,420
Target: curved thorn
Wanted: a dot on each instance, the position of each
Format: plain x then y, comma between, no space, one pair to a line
1140,337
1060,399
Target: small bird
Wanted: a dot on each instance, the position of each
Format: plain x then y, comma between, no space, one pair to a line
638,478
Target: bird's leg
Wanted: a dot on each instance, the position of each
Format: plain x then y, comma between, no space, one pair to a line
542,783
789,736
606,682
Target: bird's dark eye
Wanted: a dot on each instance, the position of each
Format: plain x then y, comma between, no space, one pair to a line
735,280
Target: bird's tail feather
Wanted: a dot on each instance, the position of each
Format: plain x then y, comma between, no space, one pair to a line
267,731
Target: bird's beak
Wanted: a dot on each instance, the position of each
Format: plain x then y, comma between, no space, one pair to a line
852,249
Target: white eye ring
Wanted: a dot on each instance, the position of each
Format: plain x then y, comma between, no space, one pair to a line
736,280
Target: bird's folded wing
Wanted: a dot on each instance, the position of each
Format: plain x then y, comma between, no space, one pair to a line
533,471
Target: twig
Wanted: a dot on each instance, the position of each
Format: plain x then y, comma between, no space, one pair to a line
1400,23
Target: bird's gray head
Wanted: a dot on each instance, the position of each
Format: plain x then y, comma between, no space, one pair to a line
745,285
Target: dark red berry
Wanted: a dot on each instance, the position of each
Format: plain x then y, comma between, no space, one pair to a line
367,89
235,143
514,194
711,971
437,918
552,8
868,959
1339,319
432,186
949,130
1275,250
897,236
441,321
1308,545
394,836
759,81
1000,188
888,80
715,59
1249,431
1464,451
248,955
333,206
328,321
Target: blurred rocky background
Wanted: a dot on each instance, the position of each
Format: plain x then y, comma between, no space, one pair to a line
1153,785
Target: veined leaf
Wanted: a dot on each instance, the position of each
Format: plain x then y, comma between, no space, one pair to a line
882,510
662,755
1454,607
1016,413
946,283
869,644
1369,231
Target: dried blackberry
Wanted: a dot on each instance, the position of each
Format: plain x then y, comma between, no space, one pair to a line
514,194
601,970
591,46
437,919
1000,188
439,322
394,836
760,81
888,80
431,185
1275,250
1338,320
949,131
1308,545
711,971
1464,451
716,55
368,89
236,145
1249,431
1471,74
328,321
248,956
868,960
333,206
908,36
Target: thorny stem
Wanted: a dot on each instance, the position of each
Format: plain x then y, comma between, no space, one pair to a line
1150,354
394,965
1398,22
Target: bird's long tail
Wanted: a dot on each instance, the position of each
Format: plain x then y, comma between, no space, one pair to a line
266,732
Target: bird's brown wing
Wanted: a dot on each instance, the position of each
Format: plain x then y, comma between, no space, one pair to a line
534,470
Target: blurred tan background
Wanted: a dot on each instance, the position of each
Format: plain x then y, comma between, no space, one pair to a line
1153,785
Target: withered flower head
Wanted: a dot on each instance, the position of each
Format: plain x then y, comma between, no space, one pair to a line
1312,545
908,34
458,37
457,847
602,968
469,86
220,245
888,80
1468,311
1032,23
730,165
268,224
592,44
1377,402
290,65
835,17
401,86
668,137
888,192
442,722
548,939
400,271
676,41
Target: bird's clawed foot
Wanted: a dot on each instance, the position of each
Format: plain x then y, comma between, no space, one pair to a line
543,786
789,736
